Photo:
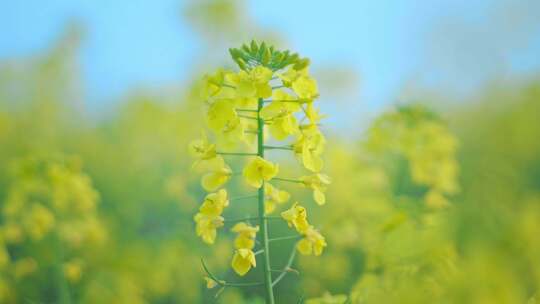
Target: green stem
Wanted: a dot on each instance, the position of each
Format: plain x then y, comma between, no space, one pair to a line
247,117
223,283
263,221
287,266
278,147
238,198
237,153
287,180
283,238
64,296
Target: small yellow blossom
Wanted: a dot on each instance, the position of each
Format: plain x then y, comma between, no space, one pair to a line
296,216
246,235
280,114
214,203
39,222
206,226
253,83
201,149
259,170
318,183
291,75
73,270
216,178
220,114
212,84
210,283
308,148
243,260
312,243
274,196
305,87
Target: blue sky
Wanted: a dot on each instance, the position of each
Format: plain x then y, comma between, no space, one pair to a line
145,43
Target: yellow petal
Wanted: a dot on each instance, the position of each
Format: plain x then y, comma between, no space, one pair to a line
242,261
212,181
319,197
304,247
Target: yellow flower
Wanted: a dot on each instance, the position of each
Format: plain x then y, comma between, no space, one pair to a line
232,132
73,270
39,222
201,149
313,114
305,87
318,183
308,148
243,260
216,178
206,226
296,216
210,283
220,114
291,75
280,114
259,170
274,196
214,203
246,235
253,83
212,84
312,243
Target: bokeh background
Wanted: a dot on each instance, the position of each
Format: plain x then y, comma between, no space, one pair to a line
433,110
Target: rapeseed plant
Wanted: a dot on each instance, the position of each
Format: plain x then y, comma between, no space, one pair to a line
272,94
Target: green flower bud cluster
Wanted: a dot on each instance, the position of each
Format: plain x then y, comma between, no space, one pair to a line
248,57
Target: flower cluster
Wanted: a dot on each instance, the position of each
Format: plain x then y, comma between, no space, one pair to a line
49,200
271,99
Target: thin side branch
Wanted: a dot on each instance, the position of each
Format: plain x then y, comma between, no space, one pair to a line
236,153
283,238
224,283
287,267
287,180
278,147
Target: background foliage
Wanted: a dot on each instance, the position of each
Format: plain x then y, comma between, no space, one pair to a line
426,206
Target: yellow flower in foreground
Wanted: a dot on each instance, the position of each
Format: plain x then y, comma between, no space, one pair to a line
305,87
202,149
212,84
243,260
259,170
308,149
318,183
246,235
217,178
206,226
214,203
281,115
220,114
253,83
274,196
296,216
291,75
312,243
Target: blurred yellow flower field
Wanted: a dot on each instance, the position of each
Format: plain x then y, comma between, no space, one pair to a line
421,202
